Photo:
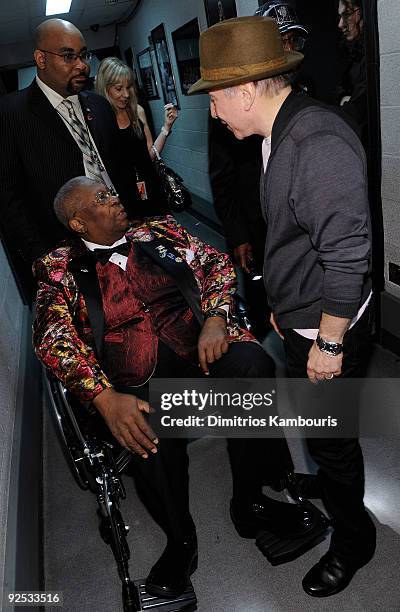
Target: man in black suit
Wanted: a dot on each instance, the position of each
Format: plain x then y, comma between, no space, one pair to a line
46,142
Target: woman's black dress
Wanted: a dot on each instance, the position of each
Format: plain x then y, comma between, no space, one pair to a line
135,149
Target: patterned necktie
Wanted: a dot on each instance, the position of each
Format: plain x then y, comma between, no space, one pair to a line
103,255
92,161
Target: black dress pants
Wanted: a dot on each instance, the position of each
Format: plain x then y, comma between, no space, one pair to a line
340,460
162,479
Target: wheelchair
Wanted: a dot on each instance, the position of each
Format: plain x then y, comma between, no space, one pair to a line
96,463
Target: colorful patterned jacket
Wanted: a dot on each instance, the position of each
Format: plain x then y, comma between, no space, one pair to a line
67,316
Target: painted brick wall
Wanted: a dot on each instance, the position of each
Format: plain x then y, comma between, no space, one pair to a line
11,323
388,15
246,7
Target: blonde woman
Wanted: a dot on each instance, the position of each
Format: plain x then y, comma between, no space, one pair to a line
115,81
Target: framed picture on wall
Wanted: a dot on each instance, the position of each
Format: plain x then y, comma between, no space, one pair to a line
167,79
186,45
129,57
147,76
219,10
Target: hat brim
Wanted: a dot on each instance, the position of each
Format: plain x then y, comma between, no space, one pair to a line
293,59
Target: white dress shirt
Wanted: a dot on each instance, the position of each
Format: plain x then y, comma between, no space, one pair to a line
116,258
56,101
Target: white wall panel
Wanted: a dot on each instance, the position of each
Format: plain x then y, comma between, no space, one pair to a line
388,21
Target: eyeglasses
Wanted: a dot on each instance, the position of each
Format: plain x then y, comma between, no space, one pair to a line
70,57
347,14
102,197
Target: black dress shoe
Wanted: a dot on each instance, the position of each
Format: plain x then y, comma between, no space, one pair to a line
330,575
169,576
306,486
265,514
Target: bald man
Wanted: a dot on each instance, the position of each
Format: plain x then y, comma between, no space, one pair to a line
51,132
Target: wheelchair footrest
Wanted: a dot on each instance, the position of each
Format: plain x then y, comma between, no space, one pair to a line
187,601
278,550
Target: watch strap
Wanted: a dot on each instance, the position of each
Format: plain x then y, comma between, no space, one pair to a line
328,347
214,312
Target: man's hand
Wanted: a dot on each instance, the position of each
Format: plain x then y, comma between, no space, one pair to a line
275,326
123,414
321,366
243,255
213,342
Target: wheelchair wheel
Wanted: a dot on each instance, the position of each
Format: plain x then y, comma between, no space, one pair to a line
71,444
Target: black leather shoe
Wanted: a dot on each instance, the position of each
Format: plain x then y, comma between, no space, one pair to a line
306,486
330,575
169,576
265,514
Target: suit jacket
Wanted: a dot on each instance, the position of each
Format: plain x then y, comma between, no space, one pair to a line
235,170
69,321
38,155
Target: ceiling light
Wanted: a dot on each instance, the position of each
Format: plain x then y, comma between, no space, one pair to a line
57,7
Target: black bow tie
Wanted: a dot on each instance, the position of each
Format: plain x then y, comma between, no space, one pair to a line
103,255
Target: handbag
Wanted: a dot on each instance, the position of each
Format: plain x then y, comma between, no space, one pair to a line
177,196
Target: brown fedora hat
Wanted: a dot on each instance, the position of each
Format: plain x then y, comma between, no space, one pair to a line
240,50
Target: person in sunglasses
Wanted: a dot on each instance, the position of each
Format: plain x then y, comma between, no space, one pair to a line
50,132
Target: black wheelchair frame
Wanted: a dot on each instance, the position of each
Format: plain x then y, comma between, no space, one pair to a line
96,465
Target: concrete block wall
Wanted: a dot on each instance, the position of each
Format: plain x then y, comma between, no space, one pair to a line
388,15
246,7
11,325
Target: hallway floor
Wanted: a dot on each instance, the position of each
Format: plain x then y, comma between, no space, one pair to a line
232,576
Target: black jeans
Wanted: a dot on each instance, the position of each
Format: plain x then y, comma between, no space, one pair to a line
340,460
162,480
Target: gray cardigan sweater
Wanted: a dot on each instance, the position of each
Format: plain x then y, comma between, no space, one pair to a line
315,203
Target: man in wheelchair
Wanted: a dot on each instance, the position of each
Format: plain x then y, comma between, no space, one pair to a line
117,305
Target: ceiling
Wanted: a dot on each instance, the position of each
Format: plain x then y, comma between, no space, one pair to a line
19,18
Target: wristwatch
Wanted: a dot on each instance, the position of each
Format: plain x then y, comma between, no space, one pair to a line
214,312
330,348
